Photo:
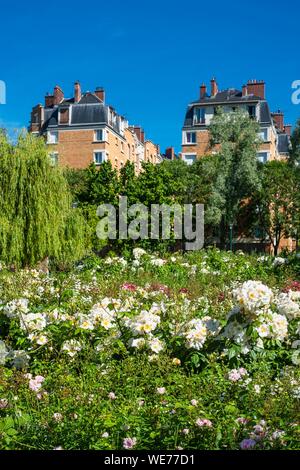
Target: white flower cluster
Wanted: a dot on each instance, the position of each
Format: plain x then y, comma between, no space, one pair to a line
273,325
72,347
144,323
253,296
287,305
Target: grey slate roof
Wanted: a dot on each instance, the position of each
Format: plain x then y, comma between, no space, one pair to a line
228,97
89,110
89,114
231,95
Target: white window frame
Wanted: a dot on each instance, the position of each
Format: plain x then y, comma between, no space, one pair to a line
104,156
264,152
103,135
189,154
51,141
195,120
185,140
261,131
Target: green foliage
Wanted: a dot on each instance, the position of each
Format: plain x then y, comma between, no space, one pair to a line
294,156
237,174
36,217
277,204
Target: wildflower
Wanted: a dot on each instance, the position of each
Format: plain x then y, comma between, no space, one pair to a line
112,396
161,390
247,444
194,402
195,334
129,286
242,421
257,388
155,345
185,431
105,435
129,442
138,253
71,347
33,322
3,403
36,383
176,361
203,423
57,417
253,296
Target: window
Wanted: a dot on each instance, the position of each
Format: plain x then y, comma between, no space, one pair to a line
200,115
52,137
99,135
264,134
262,157
190,138
252,111
189,158
99,157
53,158
122,146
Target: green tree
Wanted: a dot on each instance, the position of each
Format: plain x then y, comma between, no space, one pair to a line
294,155
237,176
277,202
36,217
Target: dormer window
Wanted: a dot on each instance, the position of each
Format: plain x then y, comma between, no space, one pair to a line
252,111
199,116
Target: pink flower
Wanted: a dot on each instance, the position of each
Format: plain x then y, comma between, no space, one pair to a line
3,403
234,375
129,442
112,396
129,286
204,423
242,420
194,402
161,390
243,371
247,444
36,383
185,431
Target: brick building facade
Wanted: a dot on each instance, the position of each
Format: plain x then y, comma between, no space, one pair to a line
275,135
84,129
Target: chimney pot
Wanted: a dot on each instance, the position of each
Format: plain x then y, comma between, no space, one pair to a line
214,87
77,92
58,95
202,91
100,93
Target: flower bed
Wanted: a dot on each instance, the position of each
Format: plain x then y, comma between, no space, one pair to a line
200,351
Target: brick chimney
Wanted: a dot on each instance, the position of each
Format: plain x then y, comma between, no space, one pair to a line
214,87
244,90
100,93
288,129
278,119
170,153
58,95
77,92
257,88
202,91
49,101
142,139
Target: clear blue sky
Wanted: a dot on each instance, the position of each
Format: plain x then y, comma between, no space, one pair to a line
151,56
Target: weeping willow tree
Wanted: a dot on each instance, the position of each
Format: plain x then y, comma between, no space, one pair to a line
36,216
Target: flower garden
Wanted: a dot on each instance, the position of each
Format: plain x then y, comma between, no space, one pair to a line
195,351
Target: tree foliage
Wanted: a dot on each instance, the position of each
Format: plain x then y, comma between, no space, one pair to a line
36,217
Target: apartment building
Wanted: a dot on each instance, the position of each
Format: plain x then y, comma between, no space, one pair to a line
84,129
275,135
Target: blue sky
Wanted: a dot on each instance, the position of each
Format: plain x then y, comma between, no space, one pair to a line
151,56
